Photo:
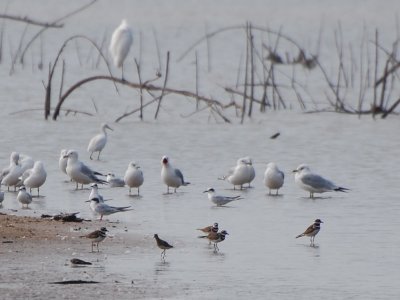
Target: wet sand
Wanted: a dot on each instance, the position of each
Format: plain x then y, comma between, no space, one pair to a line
36,253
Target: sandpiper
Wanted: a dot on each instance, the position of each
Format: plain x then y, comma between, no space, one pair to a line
162,245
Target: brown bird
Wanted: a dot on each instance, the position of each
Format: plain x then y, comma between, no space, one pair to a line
312,231
209,229
216,237
96,236
162,245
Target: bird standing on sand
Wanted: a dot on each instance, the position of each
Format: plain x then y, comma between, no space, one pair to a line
121,42
96,236
170,176
314,183
273,177
99,141
133,176
162,245
312,231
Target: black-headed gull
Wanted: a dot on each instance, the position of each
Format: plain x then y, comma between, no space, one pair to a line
170,176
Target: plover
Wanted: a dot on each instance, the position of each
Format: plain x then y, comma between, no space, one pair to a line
162,245
209,229
312,231
96,236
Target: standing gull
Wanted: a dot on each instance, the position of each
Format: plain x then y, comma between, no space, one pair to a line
314,183
239,174
12,177
34,178
218,199
103,209
62,161
170,176
14,158
79,172
133,176
251,173
98,142
121,42
273,177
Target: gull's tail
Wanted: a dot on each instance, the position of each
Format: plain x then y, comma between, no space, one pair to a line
341,189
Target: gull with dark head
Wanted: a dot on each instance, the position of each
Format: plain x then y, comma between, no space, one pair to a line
314,183
170,176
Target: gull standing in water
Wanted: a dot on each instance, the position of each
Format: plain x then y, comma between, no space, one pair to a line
79,172
62,161
133,176
314,183
14,158
98,142
121,42
170,176
34,178
12,177
103,209
251,173
219,200
239,174
24,197
26,162
273,177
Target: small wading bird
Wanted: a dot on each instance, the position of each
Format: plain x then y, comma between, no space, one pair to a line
114,181
163,245
96,237
216,238
103,209
312,231
219,200
133,176
314,183
273,177
212,229
79,172
24,197
99,141
121,42
171,177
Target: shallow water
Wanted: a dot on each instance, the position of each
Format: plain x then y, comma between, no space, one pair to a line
356,250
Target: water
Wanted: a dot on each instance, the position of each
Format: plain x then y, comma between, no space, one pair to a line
356,254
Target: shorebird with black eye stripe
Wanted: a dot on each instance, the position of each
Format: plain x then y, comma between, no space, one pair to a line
312,231
96,236
209,229
170,176
216,238
163,245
